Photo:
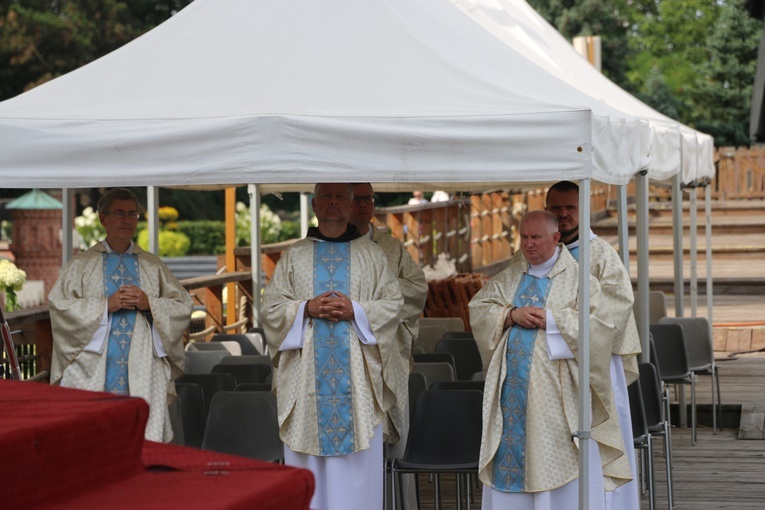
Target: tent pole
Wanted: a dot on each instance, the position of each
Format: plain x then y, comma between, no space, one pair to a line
708,232
641,236
694,255
304,203
677,240
585,412
152,220
623,225
255,259
67,225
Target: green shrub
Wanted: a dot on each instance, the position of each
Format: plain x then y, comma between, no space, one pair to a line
171,244
208,237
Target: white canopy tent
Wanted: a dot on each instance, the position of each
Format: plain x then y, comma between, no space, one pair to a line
678,152
280,95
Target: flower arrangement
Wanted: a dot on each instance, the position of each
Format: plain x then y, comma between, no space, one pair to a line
89,227
11,280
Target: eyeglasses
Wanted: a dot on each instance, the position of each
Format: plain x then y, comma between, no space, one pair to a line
121,215
369,199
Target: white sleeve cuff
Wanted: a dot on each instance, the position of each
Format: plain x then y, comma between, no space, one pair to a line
557,348
294,338
361,325
97,342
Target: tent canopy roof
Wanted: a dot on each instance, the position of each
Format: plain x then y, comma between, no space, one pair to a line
406,93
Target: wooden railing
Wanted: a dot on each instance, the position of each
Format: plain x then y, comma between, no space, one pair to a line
740,173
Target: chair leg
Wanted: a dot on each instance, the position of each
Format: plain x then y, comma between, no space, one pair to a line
651,485
693,409
437,491
458,482
716,381
668,460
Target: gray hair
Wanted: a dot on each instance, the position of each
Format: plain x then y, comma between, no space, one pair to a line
541,214
114,194
348,185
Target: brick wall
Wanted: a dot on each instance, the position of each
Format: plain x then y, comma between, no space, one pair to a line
37,244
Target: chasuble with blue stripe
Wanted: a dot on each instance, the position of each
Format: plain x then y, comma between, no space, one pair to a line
119,269
332,356
508,466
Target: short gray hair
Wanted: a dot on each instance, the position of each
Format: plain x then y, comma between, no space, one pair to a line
114,194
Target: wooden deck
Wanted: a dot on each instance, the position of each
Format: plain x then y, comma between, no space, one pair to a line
719,472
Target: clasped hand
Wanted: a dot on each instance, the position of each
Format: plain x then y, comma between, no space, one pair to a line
128,297
530,317
333,306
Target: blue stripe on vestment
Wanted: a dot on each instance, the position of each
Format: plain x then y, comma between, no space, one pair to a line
119,269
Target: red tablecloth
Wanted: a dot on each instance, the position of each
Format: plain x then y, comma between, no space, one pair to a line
63,448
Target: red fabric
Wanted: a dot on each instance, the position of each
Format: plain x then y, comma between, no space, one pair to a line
57,440
67,449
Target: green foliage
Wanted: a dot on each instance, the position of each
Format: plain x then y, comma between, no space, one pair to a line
43,39
171,244
89,228
723,92
207,237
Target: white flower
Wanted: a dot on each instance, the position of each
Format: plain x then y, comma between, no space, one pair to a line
11,276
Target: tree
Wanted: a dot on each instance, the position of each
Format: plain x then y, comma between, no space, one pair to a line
723,89
609,19
43,39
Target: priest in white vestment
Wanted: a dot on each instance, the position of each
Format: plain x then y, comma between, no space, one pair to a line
118,316
615,284
414,289
330,313
525,321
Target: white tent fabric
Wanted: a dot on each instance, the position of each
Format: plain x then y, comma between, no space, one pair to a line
406,93
676,147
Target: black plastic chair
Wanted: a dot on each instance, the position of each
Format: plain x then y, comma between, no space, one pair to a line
657,422
701,356
247,359
211,384
253,386
435,357
642,439
460,335
467,359
435,371
444,437
193,416
248,373
457,385
201,362
417,384
243,340
244,423
670,347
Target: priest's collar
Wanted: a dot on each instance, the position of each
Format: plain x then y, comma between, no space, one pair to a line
575,243
110,250
351,233
541,270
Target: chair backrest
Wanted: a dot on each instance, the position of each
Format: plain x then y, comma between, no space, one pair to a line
637,412
445,428
243,340
247,359
467,359
193,416
244,423
450,323
417,384
233,347
201,362
428,337
211,384
698,341
249,373
457,385
258,338
462,335
651,391
206,346
657,306
253,386
435,371
435,357
669,346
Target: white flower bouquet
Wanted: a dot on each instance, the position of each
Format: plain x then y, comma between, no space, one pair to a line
11,280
